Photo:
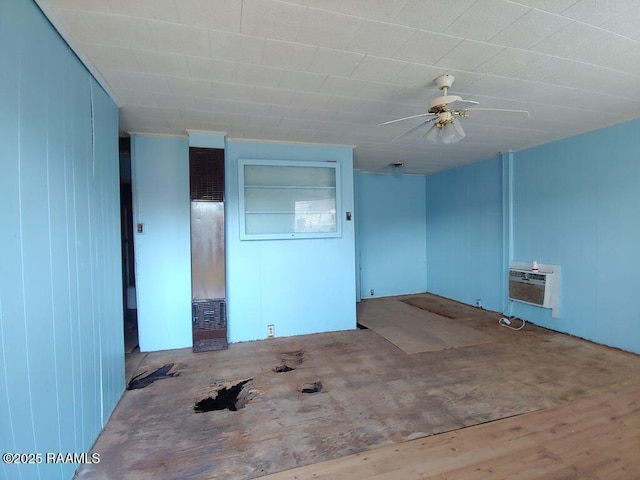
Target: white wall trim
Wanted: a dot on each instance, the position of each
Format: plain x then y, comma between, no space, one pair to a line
282,142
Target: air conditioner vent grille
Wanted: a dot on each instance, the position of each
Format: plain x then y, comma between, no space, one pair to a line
516,274
540,288
529,287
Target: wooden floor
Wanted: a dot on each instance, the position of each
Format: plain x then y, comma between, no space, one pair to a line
527,404
593,438
415,330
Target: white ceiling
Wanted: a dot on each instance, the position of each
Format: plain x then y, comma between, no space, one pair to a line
329,71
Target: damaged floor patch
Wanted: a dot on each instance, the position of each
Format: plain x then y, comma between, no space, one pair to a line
289,360
233,398
283,368
140,381
314,387
293,357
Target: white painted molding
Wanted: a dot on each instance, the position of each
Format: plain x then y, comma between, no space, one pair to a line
261,140
147,134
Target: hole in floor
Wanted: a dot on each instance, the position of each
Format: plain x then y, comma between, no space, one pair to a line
293,357
233,398
283,368
140,381
314,387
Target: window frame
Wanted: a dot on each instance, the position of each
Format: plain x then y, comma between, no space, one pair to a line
284,164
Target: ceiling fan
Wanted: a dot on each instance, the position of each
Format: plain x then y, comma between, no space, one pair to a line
446,111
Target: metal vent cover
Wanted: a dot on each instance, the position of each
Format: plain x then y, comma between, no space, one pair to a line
209,325
206,174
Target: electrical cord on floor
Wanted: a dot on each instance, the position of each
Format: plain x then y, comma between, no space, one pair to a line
505,322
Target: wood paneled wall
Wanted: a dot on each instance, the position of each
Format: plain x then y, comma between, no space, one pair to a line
61,326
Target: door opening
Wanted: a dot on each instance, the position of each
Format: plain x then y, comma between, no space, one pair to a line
128,259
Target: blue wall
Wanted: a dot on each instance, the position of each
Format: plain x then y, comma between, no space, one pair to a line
300,286
160,183
573,203
464,233
391,230
61,323
576,203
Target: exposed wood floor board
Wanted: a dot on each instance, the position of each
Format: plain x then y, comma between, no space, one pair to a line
566,441
414,330
374,395
440,305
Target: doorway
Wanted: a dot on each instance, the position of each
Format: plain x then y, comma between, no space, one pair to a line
128,254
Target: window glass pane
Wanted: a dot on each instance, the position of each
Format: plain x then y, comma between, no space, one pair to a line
285,200
288,199
271,175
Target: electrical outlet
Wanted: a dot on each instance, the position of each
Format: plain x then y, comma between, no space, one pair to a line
271,331
373,292
479,302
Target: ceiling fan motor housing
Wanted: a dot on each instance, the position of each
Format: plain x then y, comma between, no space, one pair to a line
439,104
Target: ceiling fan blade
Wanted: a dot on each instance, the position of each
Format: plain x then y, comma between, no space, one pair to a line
460,105
406,118
498,114
411,130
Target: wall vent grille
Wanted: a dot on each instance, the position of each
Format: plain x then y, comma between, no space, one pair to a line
206,174
209,325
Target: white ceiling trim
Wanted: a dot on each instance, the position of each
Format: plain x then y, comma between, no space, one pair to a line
59,25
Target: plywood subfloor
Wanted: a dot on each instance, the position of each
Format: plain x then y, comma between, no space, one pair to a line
596,437
374,395
415,330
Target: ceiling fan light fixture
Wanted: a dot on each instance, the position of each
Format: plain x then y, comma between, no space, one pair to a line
460,131
451,133
433,134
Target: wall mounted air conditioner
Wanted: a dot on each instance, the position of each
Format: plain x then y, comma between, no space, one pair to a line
535,288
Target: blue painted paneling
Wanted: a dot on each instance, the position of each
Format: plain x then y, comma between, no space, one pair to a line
574,203
464,233
107,245
391,232
301,286
58,167
35,239
206,140
16,419
577,204
160,172
60,290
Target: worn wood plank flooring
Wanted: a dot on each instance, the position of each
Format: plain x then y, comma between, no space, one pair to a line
414,330
374,395
596,437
